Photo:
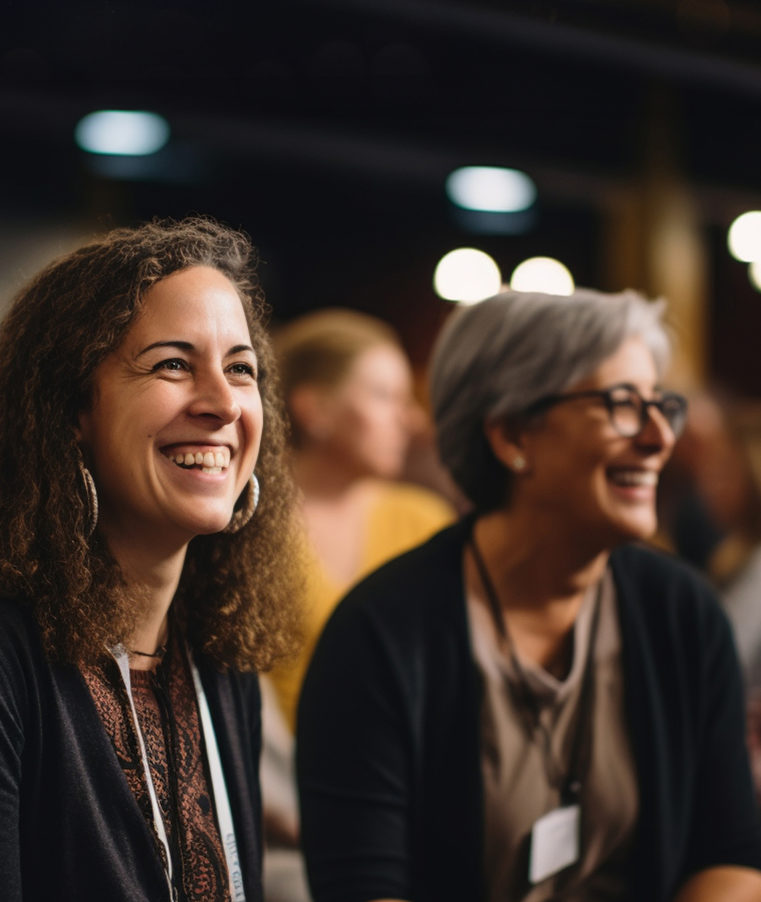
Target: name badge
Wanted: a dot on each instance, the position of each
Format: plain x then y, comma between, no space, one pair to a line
554,842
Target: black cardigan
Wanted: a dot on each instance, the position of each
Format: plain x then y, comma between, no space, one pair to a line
388,741
70,829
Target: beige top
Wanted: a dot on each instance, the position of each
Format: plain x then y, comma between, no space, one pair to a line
517,790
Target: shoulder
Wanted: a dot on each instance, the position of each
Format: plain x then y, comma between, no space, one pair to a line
645,570
418,586
25,674
673,601
19,634
398,500
401,630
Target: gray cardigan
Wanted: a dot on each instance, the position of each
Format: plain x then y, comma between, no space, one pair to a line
70,829
388,749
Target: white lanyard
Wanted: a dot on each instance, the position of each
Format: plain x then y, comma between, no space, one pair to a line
219,789
122,660
221,799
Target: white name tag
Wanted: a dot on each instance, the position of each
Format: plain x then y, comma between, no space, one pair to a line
554,842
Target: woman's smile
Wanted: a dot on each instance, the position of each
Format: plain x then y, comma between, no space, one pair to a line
210,460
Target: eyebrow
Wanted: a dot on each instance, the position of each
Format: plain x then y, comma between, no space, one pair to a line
188,346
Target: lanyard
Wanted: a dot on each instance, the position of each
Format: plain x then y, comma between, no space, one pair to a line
122,659
219,789
221,798
568,784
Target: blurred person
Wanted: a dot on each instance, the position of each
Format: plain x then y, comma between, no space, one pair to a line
347,386
533,705
723,462
144,580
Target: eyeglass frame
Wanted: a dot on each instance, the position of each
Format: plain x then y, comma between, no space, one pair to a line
606,396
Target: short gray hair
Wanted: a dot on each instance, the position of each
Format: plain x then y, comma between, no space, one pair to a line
496,358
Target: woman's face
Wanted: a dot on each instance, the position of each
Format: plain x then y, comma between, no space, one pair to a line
173,429
583,474
368,416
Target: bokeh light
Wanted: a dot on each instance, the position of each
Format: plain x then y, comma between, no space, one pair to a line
125,132
544,274
490,189
754,274
744,237
467,275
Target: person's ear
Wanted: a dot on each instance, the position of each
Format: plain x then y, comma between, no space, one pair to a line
507,444
82,427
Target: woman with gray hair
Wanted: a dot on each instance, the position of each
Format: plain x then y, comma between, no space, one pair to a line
531,705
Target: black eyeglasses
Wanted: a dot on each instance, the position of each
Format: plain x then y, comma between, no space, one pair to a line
628,411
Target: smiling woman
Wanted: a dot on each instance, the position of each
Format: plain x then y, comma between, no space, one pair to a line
143,580
532,706
182,384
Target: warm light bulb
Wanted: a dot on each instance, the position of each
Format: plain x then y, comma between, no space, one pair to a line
542,274
744,237
466,275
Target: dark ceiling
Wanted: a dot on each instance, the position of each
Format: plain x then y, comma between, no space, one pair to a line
326,128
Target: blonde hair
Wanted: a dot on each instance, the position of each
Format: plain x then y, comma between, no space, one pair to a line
319,349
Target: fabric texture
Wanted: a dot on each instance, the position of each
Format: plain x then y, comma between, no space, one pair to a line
81,835
514,764
167,711
402,515
388,742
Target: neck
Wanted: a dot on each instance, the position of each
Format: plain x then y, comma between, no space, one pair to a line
534,567
539,587
154,577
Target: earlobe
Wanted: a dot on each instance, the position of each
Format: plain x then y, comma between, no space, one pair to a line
81,427
507,446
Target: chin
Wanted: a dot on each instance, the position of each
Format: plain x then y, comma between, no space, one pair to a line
208,525
639,531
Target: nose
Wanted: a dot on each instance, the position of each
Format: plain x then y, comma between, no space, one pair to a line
214,397
657,433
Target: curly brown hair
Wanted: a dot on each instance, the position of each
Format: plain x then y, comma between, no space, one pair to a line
237,595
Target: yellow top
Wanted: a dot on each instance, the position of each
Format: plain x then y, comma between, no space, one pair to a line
401,517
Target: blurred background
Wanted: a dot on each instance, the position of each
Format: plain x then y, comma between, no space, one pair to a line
327,129
621,139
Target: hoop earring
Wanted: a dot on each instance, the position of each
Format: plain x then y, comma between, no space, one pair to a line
249,501
91,499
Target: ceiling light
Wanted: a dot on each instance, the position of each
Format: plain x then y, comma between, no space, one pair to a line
490,189
129,133
467,275
543,274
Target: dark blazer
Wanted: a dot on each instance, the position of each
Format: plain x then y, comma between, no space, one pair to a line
388,741
70,829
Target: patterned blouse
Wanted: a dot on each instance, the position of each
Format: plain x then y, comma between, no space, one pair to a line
167,712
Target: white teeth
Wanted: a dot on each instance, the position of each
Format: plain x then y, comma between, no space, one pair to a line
635,477
208,461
